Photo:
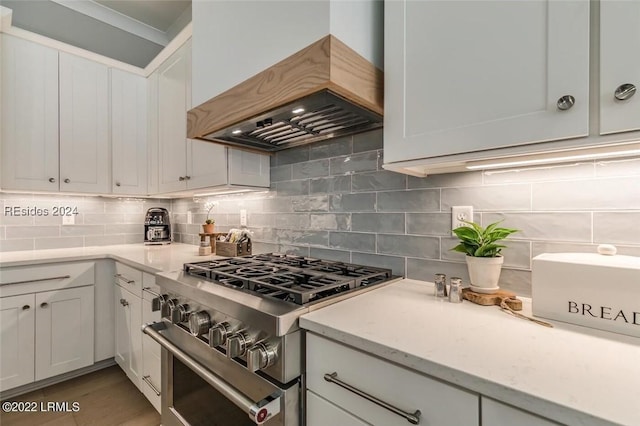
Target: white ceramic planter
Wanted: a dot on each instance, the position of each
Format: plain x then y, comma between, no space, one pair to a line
484,273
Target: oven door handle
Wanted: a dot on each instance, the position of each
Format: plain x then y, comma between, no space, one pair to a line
259,412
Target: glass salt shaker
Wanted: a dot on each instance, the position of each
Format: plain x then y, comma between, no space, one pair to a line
455,290
440,285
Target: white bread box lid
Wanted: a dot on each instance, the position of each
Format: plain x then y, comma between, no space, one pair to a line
589,289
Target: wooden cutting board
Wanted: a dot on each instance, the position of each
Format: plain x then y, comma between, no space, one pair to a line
493,299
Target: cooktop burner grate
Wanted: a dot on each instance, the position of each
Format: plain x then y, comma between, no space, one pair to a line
297,279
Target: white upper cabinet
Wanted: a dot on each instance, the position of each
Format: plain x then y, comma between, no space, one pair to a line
84,125
619,66
464,76
29,115
128,133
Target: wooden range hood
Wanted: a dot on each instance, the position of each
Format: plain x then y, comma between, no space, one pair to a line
326,90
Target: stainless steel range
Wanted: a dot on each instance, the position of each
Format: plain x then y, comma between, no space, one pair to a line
232,348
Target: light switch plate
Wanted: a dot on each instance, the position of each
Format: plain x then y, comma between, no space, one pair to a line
68,220
243,217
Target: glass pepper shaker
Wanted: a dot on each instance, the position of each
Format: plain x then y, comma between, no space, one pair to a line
440,282
455,290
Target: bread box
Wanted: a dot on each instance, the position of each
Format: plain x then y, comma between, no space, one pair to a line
588,289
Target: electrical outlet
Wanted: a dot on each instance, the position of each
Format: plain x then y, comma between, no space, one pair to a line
460,213
68,220
243,217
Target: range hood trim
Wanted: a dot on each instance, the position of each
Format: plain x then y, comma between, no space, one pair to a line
326,65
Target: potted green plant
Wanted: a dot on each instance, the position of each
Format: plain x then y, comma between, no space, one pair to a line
482,250
209,224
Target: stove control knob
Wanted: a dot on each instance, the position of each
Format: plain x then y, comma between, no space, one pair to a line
218,334
260,356
179,313
168,306
237,344
199,323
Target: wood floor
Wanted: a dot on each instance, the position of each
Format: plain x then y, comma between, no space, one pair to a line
105,398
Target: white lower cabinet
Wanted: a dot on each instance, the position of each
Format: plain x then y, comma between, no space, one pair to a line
150,349
408,391
495,413
46,321
128,337
321,412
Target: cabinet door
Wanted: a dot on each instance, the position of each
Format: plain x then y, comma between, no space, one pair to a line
619,65
150,357
128,133
64,331
84,125
29,115
172,121
495,413
249,168
464,76
321,412
128,334
17,344
152,134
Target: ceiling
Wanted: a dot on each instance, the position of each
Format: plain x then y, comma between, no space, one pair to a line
131,31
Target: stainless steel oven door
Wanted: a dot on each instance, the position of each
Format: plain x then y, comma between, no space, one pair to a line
200,386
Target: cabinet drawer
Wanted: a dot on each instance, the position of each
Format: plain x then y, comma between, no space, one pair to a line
129,278
38,278
495,413
150,289
439,403
321,412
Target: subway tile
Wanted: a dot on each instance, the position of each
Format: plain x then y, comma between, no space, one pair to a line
103,240
367,161
293,187
81,230
2,233
620,167
16,232
11,219
517,281
310,169
517,254
319,203
261,219
409,245
591,194
369,141
59,242
16,245
277,205
123,206
330,185
91,205
291,236
353,241
128,228
135,218
134,238
330,221
419,200
498,197
429,224
616,227
292,220
95,219
330,254
293,249
424,269
265,234
446,180
330,148
292,155
281,173
389,223
362,202
378,181
395,263
259,247
540,173
556,226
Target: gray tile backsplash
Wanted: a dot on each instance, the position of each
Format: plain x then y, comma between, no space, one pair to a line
333,200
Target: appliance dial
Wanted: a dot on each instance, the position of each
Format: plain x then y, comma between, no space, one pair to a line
218,334
260,356
179,313
169,306
199,323
237,344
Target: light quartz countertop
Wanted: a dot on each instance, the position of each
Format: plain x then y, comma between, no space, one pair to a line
570,374
152,259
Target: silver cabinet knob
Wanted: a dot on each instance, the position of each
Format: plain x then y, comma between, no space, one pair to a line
199,323
187,177
124,302
26,307
260,356
181,178
218,334
237,344
117,183
625,91
67,180
52,180
179,313
566,102
44,305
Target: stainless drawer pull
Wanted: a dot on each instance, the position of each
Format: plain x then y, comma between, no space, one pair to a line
62,277
151,292
120,277
413,418
147,380
158,299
